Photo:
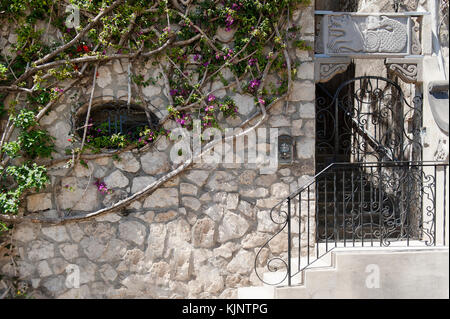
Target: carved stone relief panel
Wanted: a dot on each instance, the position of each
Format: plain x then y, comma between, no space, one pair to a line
368,35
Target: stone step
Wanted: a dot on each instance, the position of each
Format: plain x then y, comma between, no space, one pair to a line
280,277
342,273
268,291
258,292
401,273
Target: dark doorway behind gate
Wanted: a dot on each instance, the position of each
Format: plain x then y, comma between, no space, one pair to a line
325,120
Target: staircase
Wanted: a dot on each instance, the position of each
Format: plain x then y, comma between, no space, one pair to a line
365,206
395,272
389,214
358,205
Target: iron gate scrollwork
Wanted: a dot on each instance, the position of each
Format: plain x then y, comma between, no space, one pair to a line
372,187
376,202
356,205
369,119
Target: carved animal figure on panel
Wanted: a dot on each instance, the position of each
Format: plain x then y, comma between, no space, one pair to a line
385,35
345,35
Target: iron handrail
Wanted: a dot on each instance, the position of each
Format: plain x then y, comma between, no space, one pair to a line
392,220
393,163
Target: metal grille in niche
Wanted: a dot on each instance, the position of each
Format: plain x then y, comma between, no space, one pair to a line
118,118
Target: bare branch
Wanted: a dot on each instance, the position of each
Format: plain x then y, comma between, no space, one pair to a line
147,54
15,88
188,41
166,83
88,113
81,34
208,40
288,61
124,37
90,58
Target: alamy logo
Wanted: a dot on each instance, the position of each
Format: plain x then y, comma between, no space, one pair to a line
373,279
73,20
73,276
237,146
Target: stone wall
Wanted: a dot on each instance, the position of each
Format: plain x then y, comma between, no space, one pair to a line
195,237
391,5
337,5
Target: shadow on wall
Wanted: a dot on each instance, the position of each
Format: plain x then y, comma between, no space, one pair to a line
338,6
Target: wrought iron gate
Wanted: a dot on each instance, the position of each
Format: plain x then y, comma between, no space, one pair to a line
368,121
371,188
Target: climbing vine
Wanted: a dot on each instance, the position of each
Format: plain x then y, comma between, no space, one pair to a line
191,42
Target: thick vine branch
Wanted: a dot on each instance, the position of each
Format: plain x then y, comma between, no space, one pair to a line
14,88
144,192
88,113
81,34
177,71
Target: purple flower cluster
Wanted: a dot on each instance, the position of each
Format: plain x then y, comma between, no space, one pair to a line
151,136
185,119
102,188
182,92
229,20
147,138
252,61
235,6
58,90
254,85
226,56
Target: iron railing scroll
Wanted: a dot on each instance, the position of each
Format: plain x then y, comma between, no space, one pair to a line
358,205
